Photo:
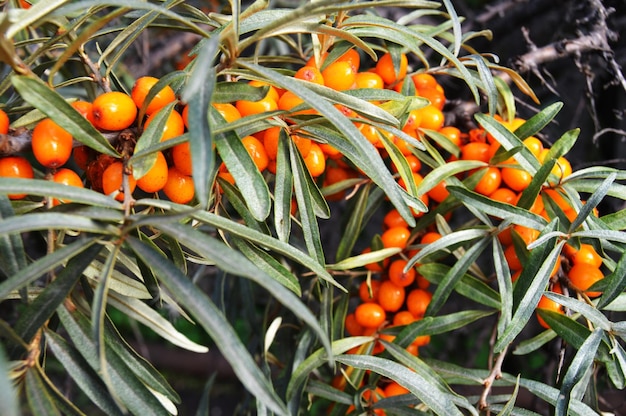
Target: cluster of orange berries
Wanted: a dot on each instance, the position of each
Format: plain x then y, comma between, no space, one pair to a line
53,147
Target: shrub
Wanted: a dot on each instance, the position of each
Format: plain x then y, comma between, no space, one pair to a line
282,120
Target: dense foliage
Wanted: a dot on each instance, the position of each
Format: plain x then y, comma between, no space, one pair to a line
297,190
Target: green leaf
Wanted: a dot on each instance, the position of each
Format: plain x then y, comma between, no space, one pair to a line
533,344
197,94
83,375
566,327
416,383
581,362
283,188
49,102
12,253
509,408
52,189
318,358
247,176
43,265
468,286
537,122
456,272
214,322
589,312
122,383
498,209
39,399
269,265
616,283
37,313
596,197
505,287
8,395
363,259
530,297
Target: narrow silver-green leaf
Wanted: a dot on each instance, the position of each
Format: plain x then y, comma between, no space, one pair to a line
537,122
283,189
39,399
589,312
361,260
579,365
12,253
503,276
8,393
596,197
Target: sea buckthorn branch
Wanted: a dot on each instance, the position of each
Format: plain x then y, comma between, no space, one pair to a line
494,374
19,140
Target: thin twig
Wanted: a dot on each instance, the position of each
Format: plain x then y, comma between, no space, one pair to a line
494,374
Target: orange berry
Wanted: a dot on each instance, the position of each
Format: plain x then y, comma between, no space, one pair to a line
174,125
432,118
528,235
417,301
315,161
154,180
85,108
333,175
369,80
370,315
452,133
51,144
67,177
352,326
562,168
113,111
430,237
424,80
394,219
397,276
394,389
179,187
549,304
369,292
142,88
558,198
16,167
272,92
439,192
288,101
396,237
388,72
257,151
340,75
4,122
534,145
403,318
413,121
181,157
582,276
475,151
263,105
390,296
352,57
516,179
304,144
512,259
112,180
436,97
586,255
489,182
310,74
505,195
376,266
228,111
414,163
24,4
82,155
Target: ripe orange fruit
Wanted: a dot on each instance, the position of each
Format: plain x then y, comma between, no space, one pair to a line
489,182
432,118
82,155
475,151
352,326
352,57
113,111
315,160
181,157
179,187
272,92
585,255
112,180
534,145
24,4
174,125
413,121
396,237
340,75
388,72
394,219
424,80
394,389
430,237
369,80
512,259
85,108
505,195
263,105
16,167
310,74
51,145
439,192
436,96
227,110
417,301
403,318
4,122
154,180
582,276
67,177
397,276
333,175
452,133
140,91
390,296
257,151
369,292
549,304
370,315
516,178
